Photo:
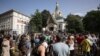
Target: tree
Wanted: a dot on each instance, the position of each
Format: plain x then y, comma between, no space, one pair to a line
74,24
45,14
36,22
91,21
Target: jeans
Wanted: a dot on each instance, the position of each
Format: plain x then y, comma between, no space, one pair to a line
72,53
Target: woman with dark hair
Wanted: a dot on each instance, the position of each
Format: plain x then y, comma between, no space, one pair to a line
42,47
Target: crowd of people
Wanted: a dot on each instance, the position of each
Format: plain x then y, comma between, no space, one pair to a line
50,44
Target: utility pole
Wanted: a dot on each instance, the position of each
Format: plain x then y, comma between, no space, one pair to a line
98,7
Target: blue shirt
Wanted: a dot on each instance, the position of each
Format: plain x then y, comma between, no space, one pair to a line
61,49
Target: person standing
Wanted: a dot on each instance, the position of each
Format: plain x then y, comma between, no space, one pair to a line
94,46
86,46
60,48
28,45
6,46
41,49
71,44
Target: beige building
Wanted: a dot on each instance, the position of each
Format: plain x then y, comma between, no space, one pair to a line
14,22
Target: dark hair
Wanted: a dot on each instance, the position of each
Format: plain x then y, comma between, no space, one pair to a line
86,36
68,37
59,38
7,37
42,39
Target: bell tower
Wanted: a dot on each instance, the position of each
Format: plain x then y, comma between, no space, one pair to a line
57,21
57,12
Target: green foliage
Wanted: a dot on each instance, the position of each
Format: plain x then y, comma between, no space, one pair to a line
75,24
36,22
39,20
45,14
91,21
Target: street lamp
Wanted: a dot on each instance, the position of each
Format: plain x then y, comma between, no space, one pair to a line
43,29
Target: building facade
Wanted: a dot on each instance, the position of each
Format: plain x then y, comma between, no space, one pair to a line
14,22
57,19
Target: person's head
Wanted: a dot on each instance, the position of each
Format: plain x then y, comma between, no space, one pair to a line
23,36
58,38
54,37
28,37
7,37
77,35
71,37
42,39
85,36
93,35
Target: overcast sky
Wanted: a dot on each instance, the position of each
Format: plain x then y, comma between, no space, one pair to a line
28,7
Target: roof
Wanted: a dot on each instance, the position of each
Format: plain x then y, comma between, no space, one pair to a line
51,20
10,11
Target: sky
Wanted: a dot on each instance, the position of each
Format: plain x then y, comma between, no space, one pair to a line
28,7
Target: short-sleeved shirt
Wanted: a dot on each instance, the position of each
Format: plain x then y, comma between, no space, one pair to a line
60,49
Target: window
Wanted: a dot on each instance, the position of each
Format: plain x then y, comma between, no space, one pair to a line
18,27
21,28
